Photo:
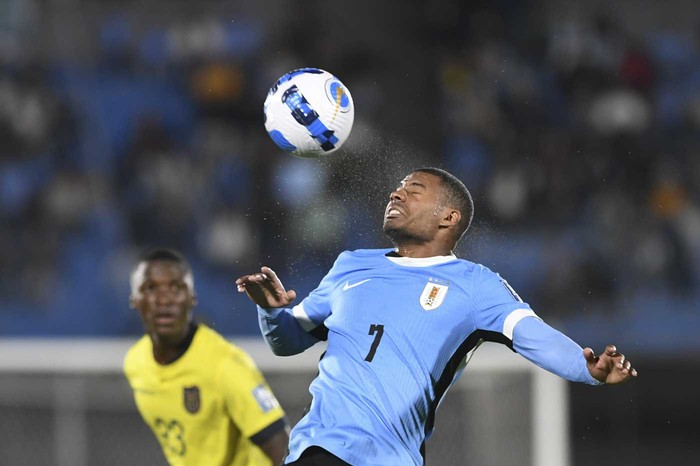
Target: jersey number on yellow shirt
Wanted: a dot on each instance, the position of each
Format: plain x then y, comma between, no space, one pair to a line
173,435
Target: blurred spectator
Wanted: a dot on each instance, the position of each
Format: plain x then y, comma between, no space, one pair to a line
577,135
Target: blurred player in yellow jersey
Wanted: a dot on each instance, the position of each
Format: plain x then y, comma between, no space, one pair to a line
203,397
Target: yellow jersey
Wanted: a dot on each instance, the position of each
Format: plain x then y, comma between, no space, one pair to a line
204,407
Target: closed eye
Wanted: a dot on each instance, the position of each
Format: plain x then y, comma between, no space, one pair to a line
413,187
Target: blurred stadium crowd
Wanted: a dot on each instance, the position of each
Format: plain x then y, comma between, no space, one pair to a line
122,128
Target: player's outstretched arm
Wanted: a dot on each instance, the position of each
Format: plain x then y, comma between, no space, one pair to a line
610,367
265,289
278,325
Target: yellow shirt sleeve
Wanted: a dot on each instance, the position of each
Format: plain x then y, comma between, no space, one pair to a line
248,398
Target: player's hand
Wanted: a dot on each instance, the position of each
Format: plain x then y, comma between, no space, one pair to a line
265,289
610,367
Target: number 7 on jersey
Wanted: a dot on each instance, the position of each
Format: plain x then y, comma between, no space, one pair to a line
378,331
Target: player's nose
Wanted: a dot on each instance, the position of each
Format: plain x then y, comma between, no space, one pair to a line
164,297
397,195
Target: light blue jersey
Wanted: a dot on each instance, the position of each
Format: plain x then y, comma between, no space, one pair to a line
400,330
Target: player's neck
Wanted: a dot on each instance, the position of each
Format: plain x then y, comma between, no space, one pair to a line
422,250
166,351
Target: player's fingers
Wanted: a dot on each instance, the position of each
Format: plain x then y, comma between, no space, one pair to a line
628,367
256,278
610,350
621,362
269,272
241,283
241,280
589,354
291,295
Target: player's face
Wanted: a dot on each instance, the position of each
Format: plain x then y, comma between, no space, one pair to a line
413,212
164,297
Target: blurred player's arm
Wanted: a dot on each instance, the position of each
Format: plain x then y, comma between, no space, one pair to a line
557,353
253,407
274,445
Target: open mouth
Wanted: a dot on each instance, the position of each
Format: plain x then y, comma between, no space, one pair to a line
393,212
164,319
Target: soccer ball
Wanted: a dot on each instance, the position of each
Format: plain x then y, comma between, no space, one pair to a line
309,113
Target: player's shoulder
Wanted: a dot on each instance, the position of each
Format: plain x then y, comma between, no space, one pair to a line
488,281
212,342
220,349
475,272
481,269
137,355
485,273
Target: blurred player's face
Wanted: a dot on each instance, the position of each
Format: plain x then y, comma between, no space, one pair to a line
164,297
412,215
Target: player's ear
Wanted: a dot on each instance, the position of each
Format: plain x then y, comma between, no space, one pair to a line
194,299
132,301
451,217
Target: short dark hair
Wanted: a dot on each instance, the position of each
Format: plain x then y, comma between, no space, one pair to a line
161,254
456,195
165,254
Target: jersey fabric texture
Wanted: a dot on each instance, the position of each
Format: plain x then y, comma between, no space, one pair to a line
206,406
400,331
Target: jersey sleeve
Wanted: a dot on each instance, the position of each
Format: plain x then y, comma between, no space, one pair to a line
497,307
291,331
551,350
249,401
283,333
502,316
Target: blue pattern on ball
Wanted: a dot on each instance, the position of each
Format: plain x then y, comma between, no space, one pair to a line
290,75
281,141
308,117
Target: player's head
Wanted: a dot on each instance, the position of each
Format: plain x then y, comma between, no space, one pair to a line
429,204
162,290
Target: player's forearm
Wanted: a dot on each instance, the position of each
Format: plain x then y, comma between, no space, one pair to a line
276,446
551,350
282,332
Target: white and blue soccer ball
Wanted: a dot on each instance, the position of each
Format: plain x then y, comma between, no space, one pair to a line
309,113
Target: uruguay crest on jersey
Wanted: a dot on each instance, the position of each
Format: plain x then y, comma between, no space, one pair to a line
433,294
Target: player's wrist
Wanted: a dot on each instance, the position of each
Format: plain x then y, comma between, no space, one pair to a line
269,311
593,380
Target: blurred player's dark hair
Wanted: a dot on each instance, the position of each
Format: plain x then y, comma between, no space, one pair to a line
160,254
165,254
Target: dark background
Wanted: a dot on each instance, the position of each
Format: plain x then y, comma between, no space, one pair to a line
126,124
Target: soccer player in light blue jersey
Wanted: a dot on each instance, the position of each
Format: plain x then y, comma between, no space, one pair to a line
401,325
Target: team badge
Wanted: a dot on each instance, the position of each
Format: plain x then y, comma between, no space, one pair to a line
433,294
192,399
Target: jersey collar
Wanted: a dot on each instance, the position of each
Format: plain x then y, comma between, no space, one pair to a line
420,261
